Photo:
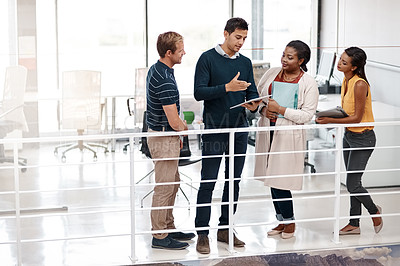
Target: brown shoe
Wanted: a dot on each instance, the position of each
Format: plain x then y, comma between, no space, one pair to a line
288,232
223,236
203,244
277,230
349,230
378,222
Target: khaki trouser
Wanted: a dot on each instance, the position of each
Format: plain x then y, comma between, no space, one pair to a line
164,171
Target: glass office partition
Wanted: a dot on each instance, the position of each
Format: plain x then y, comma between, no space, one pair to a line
283,21
6,28
101,35
201,22
110,36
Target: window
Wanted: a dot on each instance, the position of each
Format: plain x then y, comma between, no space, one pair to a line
109,36
7,31
101,35
200,22
283,21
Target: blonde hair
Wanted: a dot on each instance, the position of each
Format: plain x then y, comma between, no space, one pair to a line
167,41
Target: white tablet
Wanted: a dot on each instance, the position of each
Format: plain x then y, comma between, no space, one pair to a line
249,101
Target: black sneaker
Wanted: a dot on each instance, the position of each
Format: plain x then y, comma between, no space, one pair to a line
181,235
168,243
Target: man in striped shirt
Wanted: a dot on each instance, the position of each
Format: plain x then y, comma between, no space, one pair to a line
163,115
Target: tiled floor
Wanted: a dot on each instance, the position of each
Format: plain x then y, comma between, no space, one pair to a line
97,221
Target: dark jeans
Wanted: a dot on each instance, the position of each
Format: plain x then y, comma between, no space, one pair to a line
218,144
357,160
283,209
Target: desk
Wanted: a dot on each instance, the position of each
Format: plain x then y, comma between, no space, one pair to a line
385,136
328,101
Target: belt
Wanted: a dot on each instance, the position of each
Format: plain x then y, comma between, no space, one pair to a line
161,128
362,132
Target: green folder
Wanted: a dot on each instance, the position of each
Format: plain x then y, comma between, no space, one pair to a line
285,94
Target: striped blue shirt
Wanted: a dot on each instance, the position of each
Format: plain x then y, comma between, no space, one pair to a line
161,89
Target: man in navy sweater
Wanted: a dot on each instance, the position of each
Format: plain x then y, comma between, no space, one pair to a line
223,78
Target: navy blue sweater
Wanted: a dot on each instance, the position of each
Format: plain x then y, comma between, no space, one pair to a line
213,71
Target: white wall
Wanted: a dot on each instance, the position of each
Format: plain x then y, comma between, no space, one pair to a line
374,26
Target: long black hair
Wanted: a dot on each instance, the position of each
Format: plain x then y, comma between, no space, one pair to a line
358,59
303,52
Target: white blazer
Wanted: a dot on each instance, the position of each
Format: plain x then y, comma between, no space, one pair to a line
285,140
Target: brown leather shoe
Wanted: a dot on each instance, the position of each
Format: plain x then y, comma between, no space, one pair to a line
277,230
203,244
349,230
223,236
288,232
378,221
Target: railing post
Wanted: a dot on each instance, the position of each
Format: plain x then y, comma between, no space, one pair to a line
338,163
113,140
17,204
132,198
231,187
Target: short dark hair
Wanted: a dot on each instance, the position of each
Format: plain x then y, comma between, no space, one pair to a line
167,41
236,23
303,52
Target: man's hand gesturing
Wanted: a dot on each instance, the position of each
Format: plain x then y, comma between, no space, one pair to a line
236,85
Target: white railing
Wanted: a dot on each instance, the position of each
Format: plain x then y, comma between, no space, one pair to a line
18,213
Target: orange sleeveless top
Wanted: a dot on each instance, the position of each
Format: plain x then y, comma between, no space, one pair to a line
348,103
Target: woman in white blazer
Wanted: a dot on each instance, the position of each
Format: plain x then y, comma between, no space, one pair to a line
294,60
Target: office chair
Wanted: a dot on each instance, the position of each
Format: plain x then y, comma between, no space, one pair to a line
329,144
81,108
140,93
12,115
131,112
185,153
310,135
307,163
139,98
325,69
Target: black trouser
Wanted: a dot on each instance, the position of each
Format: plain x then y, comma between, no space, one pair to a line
357,160
218,144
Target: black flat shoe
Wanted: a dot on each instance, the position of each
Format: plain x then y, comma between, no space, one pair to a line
181,235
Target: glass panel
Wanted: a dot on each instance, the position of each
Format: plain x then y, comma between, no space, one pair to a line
101,35
5,43
283,21
200,22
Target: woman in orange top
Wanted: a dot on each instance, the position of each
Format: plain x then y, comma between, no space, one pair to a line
356,101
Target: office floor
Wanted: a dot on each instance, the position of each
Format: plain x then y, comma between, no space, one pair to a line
100,209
